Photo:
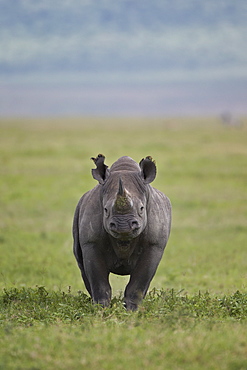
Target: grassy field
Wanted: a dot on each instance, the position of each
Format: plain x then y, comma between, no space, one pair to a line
195,314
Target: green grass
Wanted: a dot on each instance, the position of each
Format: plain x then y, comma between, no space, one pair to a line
195,314
60,330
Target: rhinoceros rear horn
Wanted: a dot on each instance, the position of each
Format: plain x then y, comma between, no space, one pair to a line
148,169
100,173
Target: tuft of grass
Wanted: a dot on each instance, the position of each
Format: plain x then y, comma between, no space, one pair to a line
31,305
44,329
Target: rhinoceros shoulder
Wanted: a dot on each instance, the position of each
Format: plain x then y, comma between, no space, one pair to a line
158,198
159,217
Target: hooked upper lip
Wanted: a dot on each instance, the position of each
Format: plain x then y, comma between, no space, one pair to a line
125,235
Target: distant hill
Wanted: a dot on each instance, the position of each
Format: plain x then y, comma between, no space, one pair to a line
134,57
133,36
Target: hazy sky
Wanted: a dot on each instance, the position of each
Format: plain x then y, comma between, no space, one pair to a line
120,49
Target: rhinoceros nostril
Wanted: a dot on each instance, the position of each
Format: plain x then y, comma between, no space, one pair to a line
134,225
113,226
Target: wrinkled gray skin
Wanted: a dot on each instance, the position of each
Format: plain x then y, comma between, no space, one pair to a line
121,226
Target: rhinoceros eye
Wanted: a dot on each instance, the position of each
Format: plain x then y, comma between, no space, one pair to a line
141,209
106,210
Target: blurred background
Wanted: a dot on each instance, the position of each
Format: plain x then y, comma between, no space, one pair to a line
125,57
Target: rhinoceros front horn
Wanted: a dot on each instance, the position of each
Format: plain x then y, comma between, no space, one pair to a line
123,201
121,191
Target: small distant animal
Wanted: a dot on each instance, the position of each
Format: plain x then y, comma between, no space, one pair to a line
227,119
121,226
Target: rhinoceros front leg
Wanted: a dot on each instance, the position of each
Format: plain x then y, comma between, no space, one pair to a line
141,277
97,275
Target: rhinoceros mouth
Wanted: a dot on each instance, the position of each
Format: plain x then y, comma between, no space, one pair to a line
123,243
123,236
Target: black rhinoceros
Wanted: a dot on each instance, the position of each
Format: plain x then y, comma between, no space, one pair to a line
121,226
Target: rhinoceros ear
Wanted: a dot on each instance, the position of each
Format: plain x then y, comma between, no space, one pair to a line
148,169
101,172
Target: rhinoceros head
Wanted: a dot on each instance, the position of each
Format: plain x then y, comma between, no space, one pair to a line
124,195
